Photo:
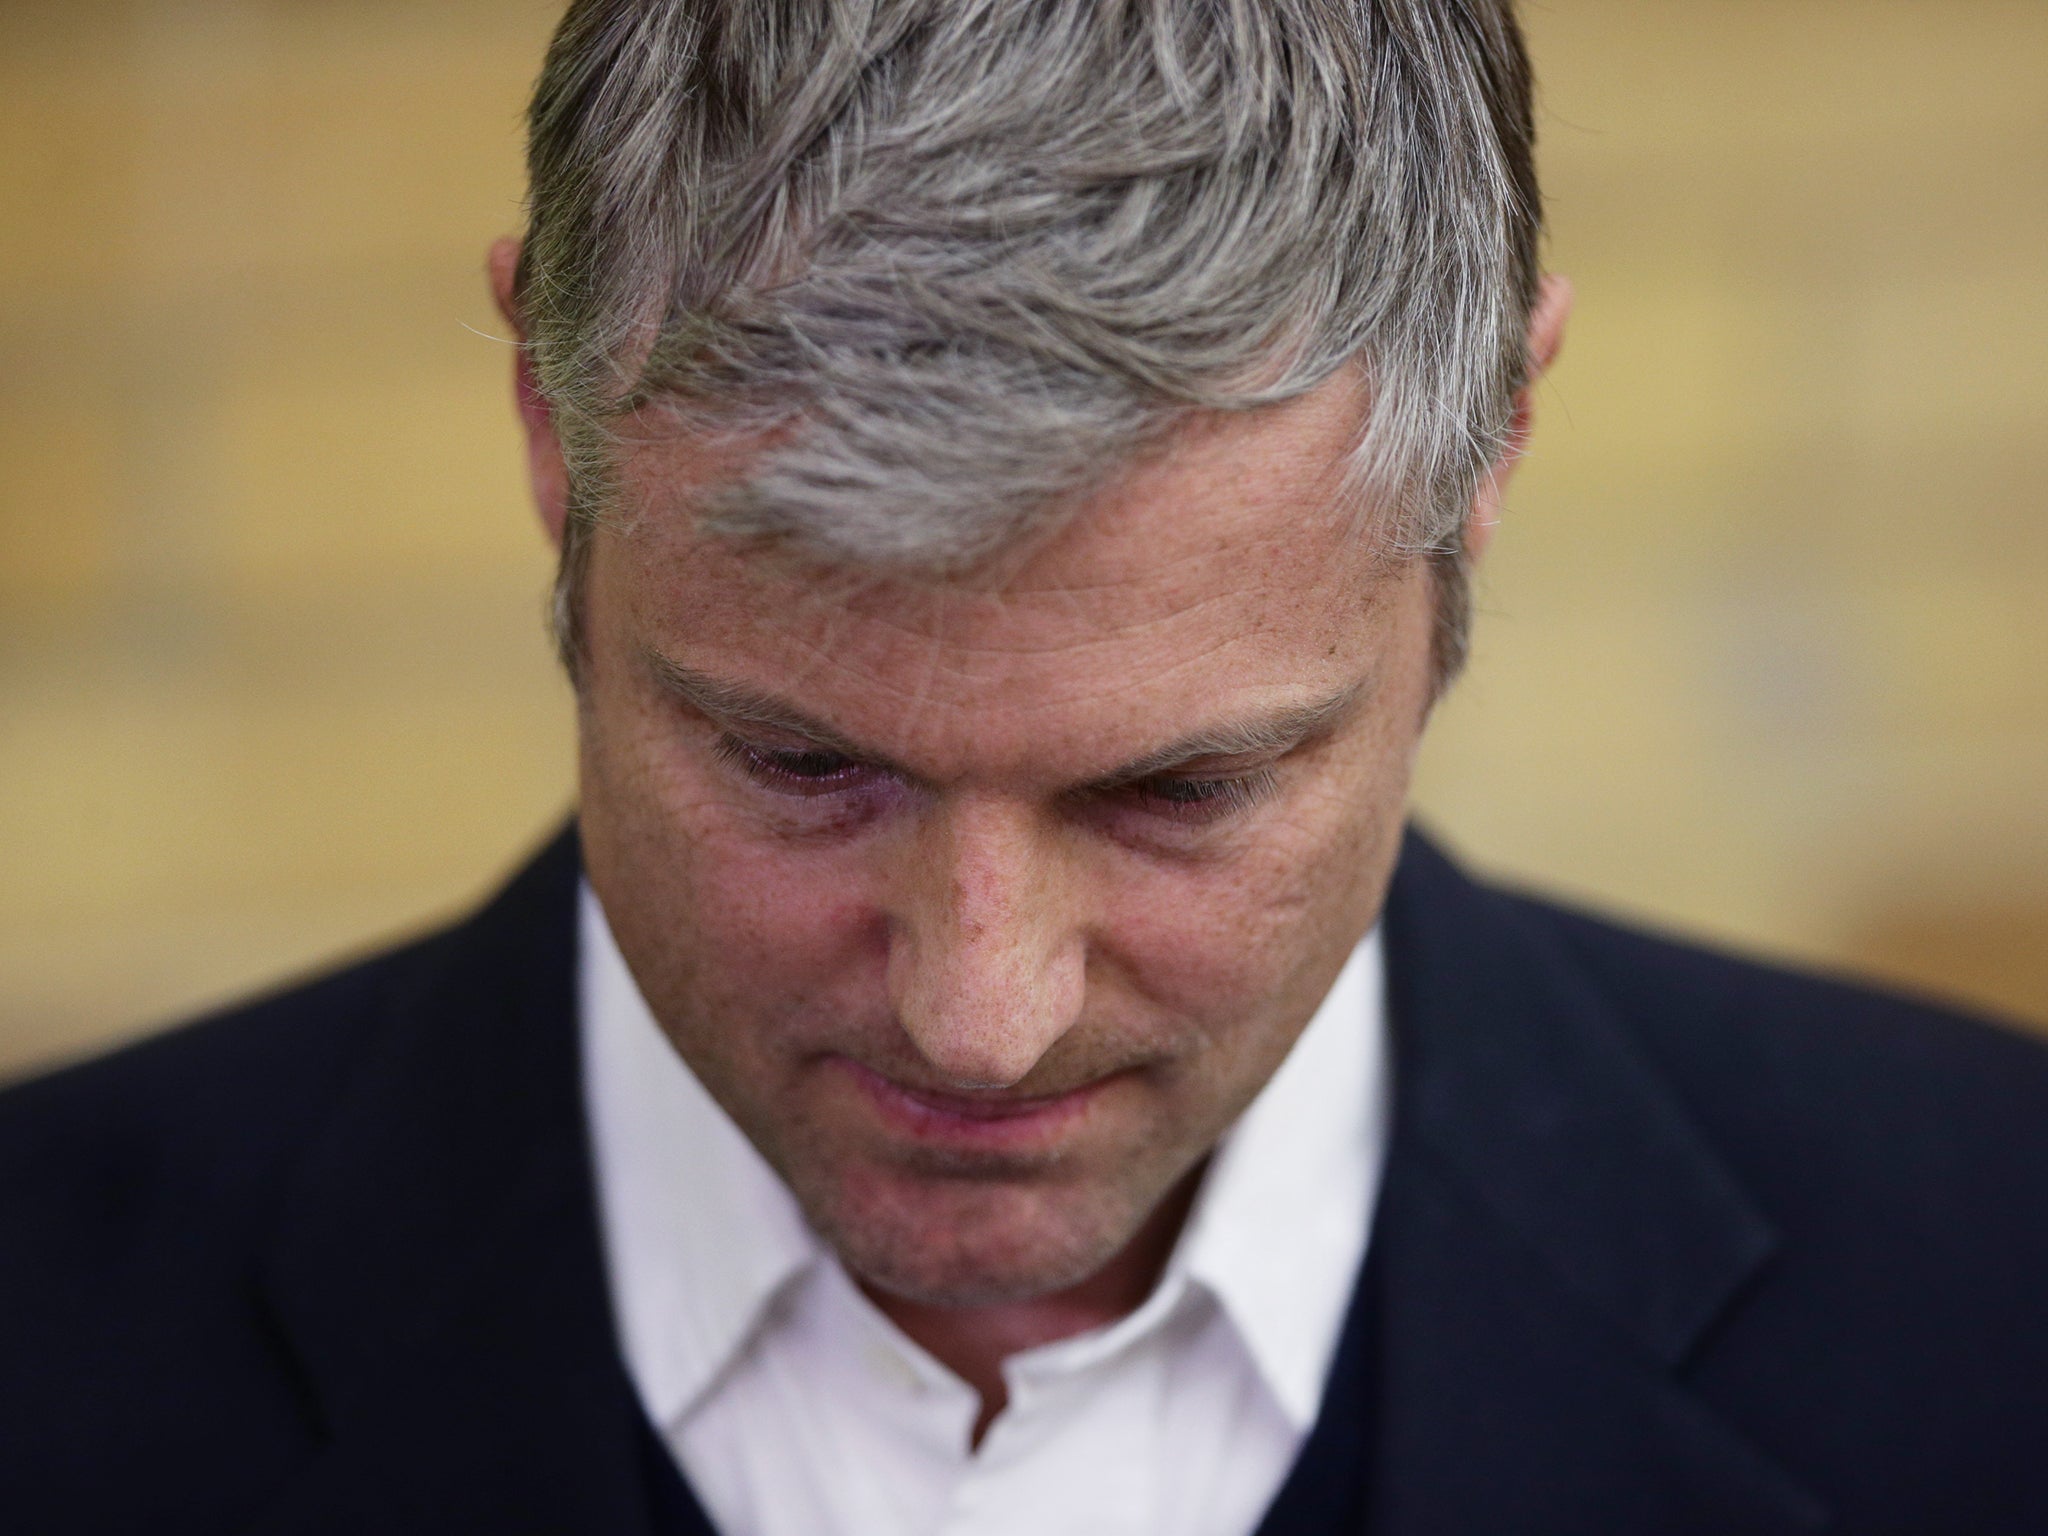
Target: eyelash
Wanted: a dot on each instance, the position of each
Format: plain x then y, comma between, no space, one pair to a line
810,772
1189,799
798,771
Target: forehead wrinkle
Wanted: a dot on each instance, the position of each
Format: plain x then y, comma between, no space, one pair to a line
946,653
1268,560
1069,604
943,674
917,700
1083,591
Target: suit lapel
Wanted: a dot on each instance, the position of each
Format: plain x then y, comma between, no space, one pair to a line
437,1273
1553,1240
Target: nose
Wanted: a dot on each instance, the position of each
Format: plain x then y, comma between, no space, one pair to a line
986,945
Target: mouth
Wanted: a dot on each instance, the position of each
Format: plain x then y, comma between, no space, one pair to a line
994,1120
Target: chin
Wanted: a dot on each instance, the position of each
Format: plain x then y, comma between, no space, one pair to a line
958,1245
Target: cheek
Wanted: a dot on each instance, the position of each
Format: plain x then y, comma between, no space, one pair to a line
718,922
1258,936
773,918
751,930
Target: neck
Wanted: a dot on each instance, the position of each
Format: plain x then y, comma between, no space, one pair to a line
973,1342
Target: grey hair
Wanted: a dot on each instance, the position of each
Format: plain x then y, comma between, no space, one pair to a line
957,260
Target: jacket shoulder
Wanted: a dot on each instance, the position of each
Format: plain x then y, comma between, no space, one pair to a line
137,1193
195,1124
1790,1041
157,1376
1899,1145
1893,1344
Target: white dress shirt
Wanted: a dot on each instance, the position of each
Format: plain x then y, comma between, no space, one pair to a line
796,1408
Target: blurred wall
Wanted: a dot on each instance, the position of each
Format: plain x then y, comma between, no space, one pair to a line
1764,650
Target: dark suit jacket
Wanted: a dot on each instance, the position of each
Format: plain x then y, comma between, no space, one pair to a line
1667,1243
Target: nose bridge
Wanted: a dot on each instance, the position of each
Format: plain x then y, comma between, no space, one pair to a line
993,873
986,948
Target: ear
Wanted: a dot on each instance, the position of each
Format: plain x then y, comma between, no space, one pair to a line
1546,338
546,470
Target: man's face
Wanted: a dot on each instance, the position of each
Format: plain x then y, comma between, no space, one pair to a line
984,907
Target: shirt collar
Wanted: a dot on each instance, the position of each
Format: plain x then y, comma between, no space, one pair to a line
1278,1232
701,1235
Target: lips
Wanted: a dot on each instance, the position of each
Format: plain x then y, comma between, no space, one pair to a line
993,1120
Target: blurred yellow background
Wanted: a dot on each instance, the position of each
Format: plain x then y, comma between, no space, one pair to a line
1764,644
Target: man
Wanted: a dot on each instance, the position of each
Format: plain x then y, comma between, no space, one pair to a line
989,1057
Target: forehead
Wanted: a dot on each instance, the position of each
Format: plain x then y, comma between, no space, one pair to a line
1224,568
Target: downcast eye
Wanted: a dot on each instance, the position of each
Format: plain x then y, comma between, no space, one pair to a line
793,770
1192,798
807,765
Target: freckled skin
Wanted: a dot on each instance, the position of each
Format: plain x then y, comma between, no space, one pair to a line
966,919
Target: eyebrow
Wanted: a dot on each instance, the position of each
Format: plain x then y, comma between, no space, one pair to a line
737,704
1272,733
